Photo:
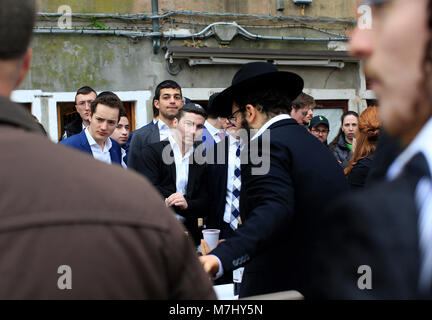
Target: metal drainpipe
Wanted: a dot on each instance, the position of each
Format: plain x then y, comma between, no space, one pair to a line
156,37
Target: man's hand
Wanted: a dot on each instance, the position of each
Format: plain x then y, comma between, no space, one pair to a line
205,249
210,264
177,199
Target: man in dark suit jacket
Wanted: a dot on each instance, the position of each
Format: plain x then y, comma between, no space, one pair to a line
377,244
83,99
285,168
168,100
173,168
95,140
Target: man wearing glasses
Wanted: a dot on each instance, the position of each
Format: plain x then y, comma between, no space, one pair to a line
319,127
83,99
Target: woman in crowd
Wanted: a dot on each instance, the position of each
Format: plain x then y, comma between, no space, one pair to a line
341,146
366,140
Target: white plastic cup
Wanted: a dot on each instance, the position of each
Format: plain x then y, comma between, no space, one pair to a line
211,236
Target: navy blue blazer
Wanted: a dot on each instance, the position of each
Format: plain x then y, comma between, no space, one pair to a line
128,142
80,142
279,210
218,177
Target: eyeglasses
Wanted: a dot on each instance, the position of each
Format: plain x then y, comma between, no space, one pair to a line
233,116
320,131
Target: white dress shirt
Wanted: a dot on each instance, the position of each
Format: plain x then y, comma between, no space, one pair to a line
213,131
423,198
182,168
164,130
99,153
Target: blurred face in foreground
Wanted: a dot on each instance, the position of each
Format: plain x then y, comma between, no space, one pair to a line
393,51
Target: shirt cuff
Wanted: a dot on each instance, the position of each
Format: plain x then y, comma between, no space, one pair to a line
220,271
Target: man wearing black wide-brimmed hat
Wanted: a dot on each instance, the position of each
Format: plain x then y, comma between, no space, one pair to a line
277,203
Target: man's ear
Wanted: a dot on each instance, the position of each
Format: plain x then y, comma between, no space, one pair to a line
156,104
25,66
175,122
251,113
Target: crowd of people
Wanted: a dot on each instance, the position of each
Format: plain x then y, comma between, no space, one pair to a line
294,211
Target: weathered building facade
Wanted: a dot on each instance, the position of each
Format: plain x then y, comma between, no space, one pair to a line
129,46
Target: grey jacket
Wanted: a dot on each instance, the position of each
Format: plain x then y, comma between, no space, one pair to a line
72,227
341,151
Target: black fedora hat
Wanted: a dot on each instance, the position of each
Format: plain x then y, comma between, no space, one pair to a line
257,75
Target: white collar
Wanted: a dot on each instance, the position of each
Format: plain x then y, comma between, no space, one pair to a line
176,148
269,123
210,128
233,140
421,143
92,141
162,125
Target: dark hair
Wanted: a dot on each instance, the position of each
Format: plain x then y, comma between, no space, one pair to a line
108,99
155,110
303,100
84,90
165,85
17,19
271,101
191,108
212,110
333,144
123,114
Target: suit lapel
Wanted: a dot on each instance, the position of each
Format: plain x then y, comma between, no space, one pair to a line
84,142
155,136
172,166
191,178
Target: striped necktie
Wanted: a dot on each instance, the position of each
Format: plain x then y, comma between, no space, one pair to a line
235,200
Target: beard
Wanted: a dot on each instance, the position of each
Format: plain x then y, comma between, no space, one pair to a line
167,116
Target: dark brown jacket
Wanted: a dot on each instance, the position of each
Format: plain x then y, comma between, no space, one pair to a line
60,207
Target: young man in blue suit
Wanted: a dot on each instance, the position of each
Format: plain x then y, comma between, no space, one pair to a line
287,177
95,139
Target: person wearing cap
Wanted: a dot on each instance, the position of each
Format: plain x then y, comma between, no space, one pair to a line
278,219
319,127
173,166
